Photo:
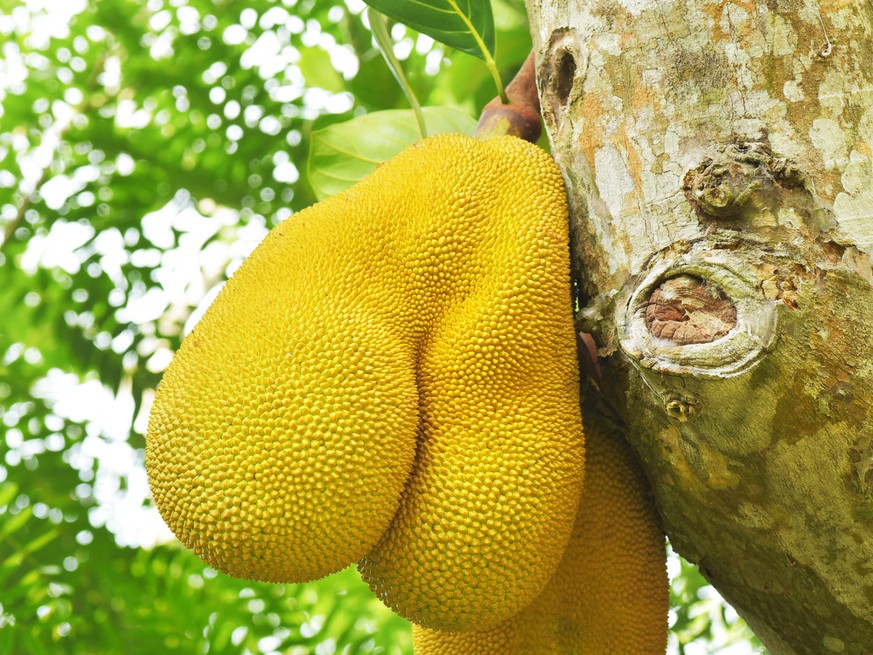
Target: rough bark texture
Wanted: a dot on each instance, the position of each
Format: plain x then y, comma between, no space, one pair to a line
718,161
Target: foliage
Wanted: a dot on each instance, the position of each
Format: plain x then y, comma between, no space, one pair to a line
700,621
462,24
467,25
343,153
145,147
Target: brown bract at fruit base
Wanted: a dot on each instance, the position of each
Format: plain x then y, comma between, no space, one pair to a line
521,116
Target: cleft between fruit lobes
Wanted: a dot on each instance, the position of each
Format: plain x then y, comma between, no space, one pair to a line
390,378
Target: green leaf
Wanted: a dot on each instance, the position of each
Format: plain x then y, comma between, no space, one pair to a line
38,542
317,70
343,153
7,493
383,37
15,522
466,25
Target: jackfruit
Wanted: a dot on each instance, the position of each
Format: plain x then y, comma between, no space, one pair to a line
389,378
610,593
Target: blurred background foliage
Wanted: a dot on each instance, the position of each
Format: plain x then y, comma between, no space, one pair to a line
145,148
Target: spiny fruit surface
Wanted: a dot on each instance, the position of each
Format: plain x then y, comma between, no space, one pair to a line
610,594
390,377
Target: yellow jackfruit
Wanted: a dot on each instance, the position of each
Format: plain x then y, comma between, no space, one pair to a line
610,594
390,377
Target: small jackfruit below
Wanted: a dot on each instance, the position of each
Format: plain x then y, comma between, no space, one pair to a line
610,593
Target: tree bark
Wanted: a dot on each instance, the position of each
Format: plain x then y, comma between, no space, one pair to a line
718,163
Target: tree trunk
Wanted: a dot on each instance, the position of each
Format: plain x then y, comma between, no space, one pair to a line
718,162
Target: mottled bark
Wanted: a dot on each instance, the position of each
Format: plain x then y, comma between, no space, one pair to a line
718,161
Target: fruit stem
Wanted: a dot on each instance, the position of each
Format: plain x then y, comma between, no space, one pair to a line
519,115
